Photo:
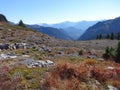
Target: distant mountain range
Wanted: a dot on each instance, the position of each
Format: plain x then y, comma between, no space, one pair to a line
73,30
65,30
83,25
104,28
54,32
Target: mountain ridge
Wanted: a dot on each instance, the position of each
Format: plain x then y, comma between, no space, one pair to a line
85,24
73,30
104,27
54,32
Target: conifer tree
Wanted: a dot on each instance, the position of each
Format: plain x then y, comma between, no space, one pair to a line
21,24
100,36
118,36
118,53
112,36
108,36
106,55
109,53
97,37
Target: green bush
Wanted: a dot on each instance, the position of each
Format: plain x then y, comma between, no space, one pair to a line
112,53
109,53
80,52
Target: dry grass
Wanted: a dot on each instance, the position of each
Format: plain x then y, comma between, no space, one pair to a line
116,83
91,61
67,76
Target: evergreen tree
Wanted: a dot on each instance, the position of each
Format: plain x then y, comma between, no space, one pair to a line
100,36
112,52
118,53
21,24
109,53
80,52
108,36
112,36
118,36
97,37
106,55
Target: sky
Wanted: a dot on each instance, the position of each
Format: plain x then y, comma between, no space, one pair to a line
55,11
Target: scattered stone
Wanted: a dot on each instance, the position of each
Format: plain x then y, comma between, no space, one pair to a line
47,49
101,59
98,83
110,87
2,28
25,56
5,56
110,67
92,56
31,63
4,46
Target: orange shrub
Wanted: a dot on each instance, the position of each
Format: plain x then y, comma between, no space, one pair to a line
116,83
90,61
66,76
104,74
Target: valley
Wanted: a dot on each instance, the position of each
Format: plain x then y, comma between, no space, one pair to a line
64,30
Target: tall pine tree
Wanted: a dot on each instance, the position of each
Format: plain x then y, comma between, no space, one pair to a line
97,37
112,36
100,36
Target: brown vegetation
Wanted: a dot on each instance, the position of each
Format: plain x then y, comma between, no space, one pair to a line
67,76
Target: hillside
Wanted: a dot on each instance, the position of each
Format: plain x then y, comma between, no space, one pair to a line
104,28
15,34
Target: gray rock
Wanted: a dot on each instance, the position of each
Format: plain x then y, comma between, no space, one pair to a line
30,63
110,87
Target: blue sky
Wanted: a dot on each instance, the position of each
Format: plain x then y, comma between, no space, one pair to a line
54,11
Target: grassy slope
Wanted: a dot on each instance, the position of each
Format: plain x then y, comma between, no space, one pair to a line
19,34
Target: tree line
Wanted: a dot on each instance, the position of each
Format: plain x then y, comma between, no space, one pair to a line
110,36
